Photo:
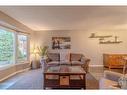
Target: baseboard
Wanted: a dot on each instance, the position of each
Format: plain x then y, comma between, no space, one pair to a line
13,74
96,66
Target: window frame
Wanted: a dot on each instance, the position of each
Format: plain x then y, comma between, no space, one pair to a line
9,30
28,48
15,45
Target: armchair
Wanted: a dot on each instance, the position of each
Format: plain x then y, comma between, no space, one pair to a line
109,80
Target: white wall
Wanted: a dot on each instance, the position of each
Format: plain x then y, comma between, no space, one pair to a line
81,43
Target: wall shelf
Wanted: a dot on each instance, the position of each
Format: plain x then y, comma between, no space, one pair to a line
95,36
110,42
102,39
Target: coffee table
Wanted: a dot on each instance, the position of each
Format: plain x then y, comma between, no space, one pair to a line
64,76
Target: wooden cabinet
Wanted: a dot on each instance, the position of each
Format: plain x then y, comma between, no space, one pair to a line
113,60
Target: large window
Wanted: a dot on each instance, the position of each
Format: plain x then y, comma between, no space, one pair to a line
22,47
13,47
6,47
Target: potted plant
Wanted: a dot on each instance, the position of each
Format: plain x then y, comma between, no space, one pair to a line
42,51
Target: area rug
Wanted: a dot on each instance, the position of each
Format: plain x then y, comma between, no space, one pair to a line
33,80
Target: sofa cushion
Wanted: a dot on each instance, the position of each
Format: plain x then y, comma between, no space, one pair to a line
76,63
84,59
54,56
64,56
53,63
75,57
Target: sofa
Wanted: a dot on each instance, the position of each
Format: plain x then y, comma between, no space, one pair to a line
74,59
110,80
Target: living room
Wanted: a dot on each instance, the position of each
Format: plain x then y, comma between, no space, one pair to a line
95,32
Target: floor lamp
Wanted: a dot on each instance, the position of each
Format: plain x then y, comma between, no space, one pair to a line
34,63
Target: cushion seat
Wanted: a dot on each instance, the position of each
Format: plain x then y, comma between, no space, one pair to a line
53,63
76,63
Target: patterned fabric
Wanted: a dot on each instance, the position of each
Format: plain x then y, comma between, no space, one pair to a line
54,56
75,57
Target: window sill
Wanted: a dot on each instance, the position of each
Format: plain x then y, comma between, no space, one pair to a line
11,65
22,62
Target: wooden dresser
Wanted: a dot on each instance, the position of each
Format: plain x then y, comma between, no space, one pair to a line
113,60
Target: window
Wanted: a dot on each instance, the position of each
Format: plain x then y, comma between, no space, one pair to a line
22,48
13,47
6,47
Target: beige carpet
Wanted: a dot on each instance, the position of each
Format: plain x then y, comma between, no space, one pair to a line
32,79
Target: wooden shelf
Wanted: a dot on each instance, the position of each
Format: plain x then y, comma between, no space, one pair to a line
111,42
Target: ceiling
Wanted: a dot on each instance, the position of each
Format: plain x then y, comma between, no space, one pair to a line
68,17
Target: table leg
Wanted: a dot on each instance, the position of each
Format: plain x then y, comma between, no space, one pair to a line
84,78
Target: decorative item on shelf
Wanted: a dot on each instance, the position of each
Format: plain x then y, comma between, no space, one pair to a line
95,36
102,39
110,42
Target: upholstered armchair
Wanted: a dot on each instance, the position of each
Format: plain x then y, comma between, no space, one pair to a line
110,80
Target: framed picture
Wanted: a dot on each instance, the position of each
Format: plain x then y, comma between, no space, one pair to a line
61,43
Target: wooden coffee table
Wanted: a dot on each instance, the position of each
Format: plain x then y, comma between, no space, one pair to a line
64,76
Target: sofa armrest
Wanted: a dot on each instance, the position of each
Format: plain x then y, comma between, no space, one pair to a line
85,64
85,60
48,60
112,75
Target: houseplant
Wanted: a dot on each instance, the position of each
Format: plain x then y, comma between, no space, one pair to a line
42,51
